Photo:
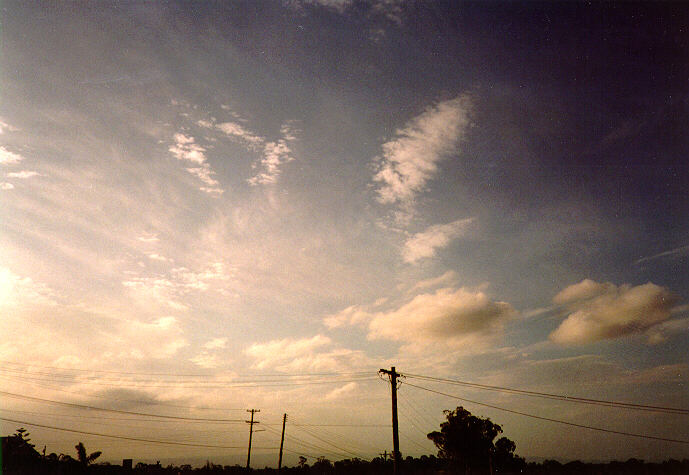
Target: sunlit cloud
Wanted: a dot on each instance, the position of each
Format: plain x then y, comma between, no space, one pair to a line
411,159
23,174
317,353
6,186
275,154
599,311
9,158
426,243
185,148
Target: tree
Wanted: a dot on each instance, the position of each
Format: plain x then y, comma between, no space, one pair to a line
84,459
466,441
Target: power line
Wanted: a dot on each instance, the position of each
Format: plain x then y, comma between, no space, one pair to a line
122,437
600,402
643,436
118,411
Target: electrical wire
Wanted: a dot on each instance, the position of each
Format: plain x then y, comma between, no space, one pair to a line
599,402
583,426
118,411
135,439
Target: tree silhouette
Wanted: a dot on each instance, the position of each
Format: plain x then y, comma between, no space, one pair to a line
466,441
84,459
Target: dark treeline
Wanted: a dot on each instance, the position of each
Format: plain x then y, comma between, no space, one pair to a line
19,457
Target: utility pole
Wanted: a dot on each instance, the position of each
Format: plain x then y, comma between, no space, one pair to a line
251,432
282,441
395,435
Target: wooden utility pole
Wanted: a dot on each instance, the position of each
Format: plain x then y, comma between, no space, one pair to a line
396,458
282,441
251,433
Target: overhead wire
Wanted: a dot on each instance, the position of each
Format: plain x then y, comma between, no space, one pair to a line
561,397
583,426
118,411
122,437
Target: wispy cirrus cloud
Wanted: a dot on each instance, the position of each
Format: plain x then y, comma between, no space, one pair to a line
411,159
426,243
600,311
317,353
678,251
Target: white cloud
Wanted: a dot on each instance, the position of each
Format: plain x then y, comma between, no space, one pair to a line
186,148
306,354
275,154
6,186
353,315
425,244
172,288
5,126
23,174
448,278
411,159
206,360
238,131
16,291
148,238
158,257
9,158
342,391
455,317
598,311
215,343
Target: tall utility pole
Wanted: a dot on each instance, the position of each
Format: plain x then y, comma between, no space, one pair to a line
251,432
395,435
282,441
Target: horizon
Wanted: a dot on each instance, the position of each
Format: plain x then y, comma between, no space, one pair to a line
212,207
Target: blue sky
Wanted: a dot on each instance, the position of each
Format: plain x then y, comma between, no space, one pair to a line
495,193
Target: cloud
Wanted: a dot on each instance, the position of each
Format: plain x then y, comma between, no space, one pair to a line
23,174
185,148
342,391
599,311
663,331
5,126
215,343
237,131
148,238
455,317
679,251
425,244
448,278
206,360
9,158
16,291
350,316
6,186
306,354
158,257
171,289
411,159
275,154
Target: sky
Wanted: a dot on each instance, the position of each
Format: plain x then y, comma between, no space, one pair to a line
208,207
